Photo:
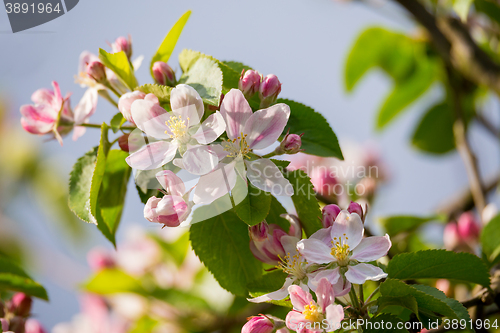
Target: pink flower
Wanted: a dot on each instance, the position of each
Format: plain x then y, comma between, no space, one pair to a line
342,247
468,227
173,208
258,324
269,90
97,71
33,326
20,305
324,181
163,74
51,113
330,213
100,259
246,131
249,82
123,44
125,102
179,130
291,144
265,242
309,316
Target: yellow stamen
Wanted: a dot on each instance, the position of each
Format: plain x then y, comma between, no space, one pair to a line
237,146
313,312
293,265
340,250
177,126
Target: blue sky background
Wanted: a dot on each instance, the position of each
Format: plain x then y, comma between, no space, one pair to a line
304,43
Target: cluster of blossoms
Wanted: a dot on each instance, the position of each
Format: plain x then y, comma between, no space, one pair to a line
328,262
15,313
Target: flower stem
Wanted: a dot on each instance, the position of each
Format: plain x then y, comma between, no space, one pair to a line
372,294
104,94
354,298
90,125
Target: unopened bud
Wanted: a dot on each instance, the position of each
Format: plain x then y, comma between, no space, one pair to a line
258,324
97,71
20,304
259,232
249,82
33,326
330,213
123,44
291,144
163,74
100,259
468,228
265,242
131,142
355,207
170,210
269,90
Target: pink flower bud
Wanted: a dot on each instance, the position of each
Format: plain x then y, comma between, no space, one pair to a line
163,74
125,103
451,238
171,183
258,324
330,213
355,207
249,82
170,210
97,71
265,242
20,304
259,232
33,326
291,144
131,142
324,181
4,324
269,90
123,44
468,228
100,259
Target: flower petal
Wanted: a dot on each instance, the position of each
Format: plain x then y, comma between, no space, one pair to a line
332,275
289,244
215,184
236,111
315,251
152,156
265,126
299,297
200,160
265,175
359,273
210,129
275,295
324,235
334,315
37,120
349,227
150,118
171,183
324,294
183,96
86,107
296,321
371,248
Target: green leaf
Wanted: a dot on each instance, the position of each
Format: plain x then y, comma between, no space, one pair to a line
379,324
238,67
434,133
439,264
167,46
408,302
120,65
162,92
305,202
116,122
99,169
488,7
175,251
13,277
462,8
112,281
319,138
490,240
457,307
399,223
222,244
274,215
406,92
255,207
80,182
268,283
206,77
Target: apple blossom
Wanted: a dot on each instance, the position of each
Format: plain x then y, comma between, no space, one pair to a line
258,324
179,130
249,82
97,71
343,248
310,316
20,304
468,227
126,100
269,90
324,181
265,242
123,44
163,74
4,324
291,144
330,213
355,207
173,208
246,130
99,259
33,326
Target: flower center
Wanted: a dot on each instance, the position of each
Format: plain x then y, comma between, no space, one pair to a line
238,146
313,312
340,250
177,126
293,265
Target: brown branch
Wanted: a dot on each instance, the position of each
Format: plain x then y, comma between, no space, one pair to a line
488,125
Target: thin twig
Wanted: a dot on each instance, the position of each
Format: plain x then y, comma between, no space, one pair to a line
488,125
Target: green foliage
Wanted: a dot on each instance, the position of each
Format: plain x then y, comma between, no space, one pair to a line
439,264
407,301
206,77
175,251
274,214
434,133
305,202
13,277
116,122
121,66
382,322
236,66
222,244
162,92
268,283
112,281
394,225
462,8
255,207
489,8
490,240
319,138
167,46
